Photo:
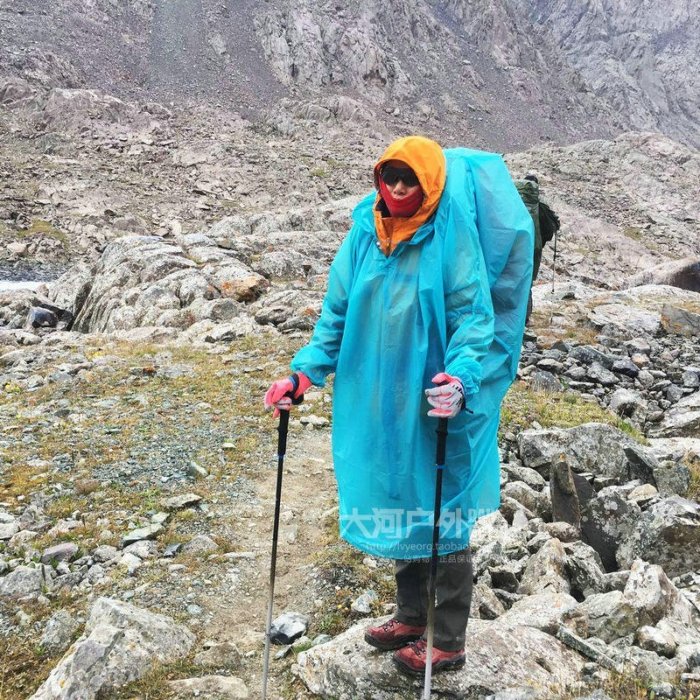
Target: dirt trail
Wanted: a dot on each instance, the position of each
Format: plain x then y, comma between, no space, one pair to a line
308,491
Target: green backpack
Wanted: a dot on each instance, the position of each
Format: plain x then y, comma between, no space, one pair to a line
546,221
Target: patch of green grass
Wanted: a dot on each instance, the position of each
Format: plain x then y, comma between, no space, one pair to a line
23,667
154,684
693,464
633,232
342,566
522,406
40,227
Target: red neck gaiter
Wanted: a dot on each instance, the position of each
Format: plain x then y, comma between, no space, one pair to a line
404,207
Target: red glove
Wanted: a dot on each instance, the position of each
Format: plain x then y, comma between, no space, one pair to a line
285,392
448,398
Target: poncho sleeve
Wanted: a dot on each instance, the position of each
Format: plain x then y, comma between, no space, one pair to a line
319,357
468,307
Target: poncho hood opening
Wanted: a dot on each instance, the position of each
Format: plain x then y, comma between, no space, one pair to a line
426,159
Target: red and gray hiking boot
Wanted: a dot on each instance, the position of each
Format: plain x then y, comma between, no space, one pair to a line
411,659
392,634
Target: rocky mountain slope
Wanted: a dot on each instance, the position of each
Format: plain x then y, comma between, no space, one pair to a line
633,54
485,71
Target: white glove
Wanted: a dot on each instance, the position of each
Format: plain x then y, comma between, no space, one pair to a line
447,399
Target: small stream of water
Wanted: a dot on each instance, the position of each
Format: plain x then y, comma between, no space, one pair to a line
14,285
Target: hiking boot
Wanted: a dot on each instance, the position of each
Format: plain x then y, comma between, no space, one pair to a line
393,634
411,659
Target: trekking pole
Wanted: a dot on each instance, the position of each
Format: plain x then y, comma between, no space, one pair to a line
282,430
432,581
554,261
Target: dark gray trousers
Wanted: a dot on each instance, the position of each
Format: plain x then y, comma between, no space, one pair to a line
454,594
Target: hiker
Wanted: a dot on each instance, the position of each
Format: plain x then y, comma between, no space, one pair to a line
546,224
407,325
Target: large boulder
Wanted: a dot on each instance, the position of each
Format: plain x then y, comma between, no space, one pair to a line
606,521
680,321
668,534
683,273
498,657
144,281
120,644
623,320
591,447
71,289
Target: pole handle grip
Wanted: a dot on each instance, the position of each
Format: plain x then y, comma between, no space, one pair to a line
282,429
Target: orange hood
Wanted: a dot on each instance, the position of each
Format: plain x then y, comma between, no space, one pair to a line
426,159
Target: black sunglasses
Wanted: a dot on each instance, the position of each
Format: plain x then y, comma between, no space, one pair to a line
391,174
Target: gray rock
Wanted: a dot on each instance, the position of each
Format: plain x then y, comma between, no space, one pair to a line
606,521
362,605
541,380
8,530
522,693
682,420
655,597
485,604
59,632
592,447
598,373
584,569
647,664
587,648
498,657
26,581
668,534
210,688
607,616
545,571
532,478
71,289
672,478
121,643
588,355
628,403
625,366
691,377
541,610
535,501
288,627
564,532
658,641
679,321
186,500
562,489
59,552
622,320
201,544
150,532
105,552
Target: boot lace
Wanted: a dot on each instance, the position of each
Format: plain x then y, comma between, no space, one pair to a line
419,647
390,624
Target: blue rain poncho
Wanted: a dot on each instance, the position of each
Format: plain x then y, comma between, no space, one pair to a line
452,298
